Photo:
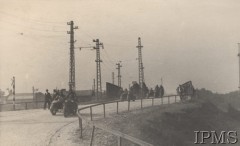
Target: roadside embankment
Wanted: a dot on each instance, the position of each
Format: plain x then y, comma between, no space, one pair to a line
174,125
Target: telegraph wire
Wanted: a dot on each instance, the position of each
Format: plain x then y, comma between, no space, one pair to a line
61,24
110,59
87,34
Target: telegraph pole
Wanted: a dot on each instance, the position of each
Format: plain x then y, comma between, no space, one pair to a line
72,57
98,67
33,92
112,77
119,73
239,65
13,84
94,88
140,65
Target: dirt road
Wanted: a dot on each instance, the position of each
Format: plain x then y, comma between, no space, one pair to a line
39,128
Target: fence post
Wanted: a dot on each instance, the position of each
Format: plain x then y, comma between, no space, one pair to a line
80,126
119,141
162,100
104,110
141,103
91,112
92,136
128,105
25,105
152,101
117,107
168,100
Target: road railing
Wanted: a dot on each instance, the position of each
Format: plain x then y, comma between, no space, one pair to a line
118,134
21,105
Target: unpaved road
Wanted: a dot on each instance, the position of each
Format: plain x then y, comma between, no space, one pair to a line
39,128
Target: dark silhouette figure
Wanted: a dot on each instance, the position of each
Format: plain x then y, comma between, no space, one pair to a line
157,92
161,89
47,100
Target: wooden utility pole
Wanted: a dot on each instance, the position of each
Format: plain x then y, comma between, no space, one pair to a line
94,88
239,65
13,84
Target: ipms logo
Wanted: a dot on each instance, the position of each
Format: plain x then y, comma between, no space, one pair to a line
213,137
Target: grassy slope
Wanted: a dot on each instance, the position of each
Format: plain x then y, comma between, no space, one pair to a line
175,125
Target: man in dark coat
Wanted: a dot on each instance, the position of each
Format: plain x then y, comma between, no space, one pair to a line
151,93
161,91
47,100
157,91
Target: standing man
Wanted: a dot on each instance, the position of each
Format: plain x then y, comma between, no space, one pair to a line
157,90
161,91
47,99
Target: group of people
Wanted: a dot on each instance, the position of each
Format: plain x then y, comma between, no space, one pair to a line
57,95
135,92
157,92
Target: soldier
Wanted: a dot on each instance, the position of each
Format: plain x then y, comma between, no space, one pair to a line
151,93
124,95
161,91
156,95
72,95
47,99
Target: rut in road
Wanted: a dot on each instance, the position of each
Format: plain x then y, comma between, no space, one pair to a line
57,131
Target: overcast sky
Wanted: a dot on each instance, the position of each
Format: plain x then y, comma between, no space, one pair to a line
183,40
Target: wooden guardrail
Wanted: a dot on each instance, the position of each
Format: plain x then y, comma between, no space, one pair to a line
120,136
117,133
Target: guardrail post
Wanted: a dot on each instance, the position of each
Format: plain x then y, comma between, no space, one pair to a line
92,136
25,105
141,103
162,100
175,98
128,105
117,107
80,126
91,113
104,110
119,141
152,101
14,107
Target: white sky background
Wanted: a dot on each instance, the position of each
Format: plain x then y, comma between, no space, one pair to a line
183,40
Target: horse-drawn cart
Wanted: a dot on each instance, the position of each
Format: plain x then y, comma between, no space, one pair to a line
186,91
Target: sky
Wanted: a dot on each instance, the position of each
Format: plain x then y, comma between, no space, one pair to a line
183,40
